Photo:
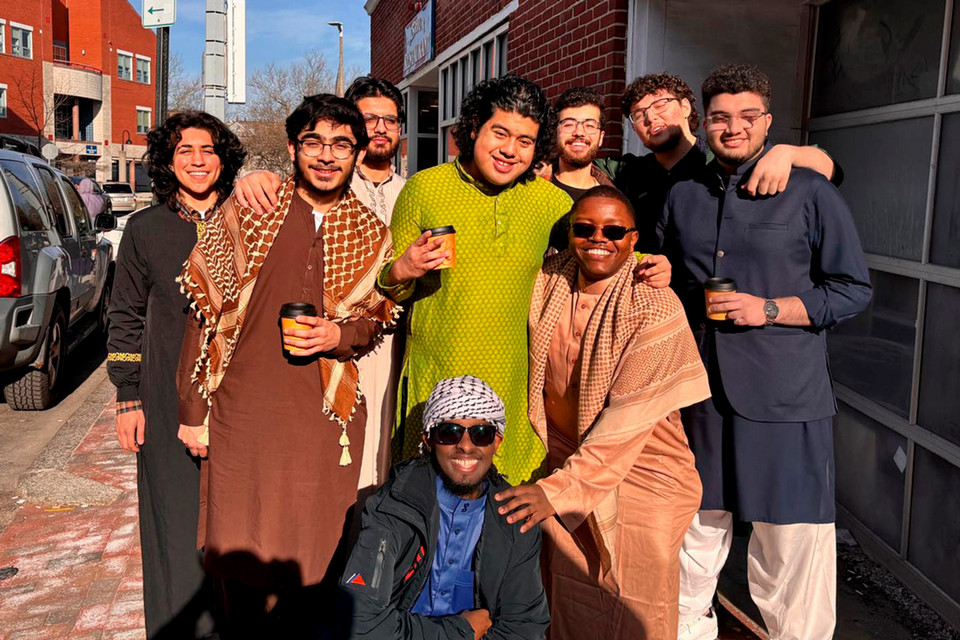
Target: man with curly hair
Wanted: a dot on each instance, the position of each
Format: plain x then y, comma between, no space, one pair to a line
663,112
193,159
764,441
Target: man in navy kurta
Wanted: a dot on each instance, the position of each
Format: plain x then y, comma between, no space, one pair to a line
764,442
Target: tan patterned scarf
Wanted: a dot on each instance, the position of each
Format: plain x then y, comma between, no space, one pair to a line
637,350
220,275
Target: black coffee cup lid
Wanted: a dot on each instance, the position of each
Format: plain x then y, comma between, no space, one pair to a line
294,309
442,231
720,284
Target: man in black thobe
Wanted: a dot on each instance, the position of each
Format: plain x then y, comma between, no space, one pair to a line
193,160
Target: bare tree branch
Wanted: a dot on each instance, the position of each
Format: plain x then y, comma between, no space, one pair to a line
184,91
38,107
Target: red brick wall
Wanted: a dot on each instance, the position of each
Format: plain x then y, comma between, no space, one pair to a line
573,43
123,30
86,32
24,77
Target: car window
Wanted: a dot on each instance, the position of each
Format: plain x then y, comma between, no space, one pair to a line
80,215
25,194
118,188
55,199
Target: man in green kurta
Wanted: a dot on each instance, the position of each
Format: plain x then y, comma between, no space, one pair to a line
472,318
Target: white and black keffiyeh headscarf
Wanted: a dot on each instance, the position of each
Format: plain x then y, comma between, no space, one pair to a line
462,398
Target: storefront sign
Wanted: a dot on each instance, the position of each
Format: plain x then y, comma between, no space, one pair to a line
418,40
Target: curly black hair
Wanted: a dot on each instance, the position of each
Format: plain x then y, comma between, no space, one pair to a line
326,106
580,97
163,139
509,93
654,82
736,78
370,87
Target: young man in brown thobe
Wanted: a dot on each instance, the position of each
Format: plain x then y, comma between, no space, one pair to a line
279,428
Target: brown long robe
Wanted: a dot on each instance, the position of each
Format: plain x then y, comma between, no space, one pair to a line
608,375
274,498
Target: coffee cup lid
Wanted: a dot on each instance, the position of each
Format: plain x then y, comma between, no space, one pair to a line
720,284
294,309
442,231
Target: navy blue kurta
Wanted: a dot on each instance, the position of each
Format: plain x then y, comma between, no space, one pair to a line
764,444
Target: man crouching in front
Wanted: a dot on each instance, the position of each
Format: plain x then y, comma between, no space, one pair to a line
434,560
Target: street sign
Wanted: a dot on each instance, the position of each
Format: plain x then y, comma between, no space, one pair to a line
91,149
158,13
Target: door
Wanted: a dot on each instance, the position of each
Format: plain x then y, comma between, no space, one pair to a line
87,241
69,242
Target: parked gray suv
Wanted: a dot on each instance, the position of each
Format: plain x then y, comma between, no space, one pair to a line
55,277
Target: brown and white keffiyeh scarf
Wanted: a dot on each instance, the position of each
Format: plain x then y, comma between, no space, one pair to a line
637,351
220,275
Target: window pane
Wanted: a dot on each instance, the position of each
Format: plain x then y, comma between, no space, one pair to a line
940,370
869,481
953,62
873,353
886,169
3,102
24,192
875,52
80,215
945,241
934,524
427,112
54,199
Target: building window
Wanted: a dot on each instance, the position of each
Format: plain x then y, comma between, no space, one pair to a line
143,69
124,65
3,36
143,119
3,101
21,40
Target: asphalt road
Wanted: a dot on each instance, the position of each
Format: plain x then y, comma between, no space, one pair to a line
24,434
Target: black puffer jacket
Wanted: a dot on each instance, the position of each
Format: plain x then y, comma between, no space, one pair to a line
391,562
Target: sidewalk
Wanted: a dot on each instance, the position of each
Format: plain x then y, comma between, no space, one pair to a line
75,542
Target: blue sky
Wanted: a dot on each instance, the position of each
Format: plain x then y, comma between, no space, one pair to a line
280,31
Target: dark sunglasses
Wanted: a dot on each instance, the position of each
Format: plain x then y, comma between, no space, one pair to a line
612,232
482,435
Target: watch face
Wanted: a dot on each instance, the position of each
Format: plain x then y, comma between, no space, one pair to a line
771,309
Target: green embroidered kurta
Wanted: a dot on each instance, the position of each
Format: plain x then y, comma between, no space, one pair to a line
472,319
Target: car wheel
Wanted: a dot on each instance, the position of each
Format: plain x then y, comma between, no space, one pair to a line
104,307
37,389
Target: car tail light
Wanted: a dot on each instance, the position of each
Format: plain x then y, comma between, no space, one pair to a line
10,268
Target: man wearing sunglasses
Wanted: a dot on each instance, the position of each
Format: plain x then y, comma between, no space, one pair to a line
764,442
663,113
434,560
280,480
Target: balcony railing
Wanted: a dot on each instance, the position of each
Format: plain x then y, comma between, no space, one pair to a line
61,53
78,66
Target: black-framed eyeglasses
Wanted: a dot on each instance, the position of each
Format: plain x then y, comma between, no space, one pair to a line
612,232
481,435
392,123
569,125
723,120
312,148
657,107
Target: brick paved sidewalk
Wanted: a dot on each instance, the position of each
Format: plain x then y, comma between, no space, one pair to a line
80,574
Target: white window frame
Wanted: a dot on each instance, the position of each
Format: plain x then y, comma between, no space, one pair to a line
3,35
29,30
121,52
149,113
136,71
3,100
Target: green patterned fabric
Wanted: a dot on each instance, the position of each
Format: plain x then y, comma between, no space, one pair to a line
472,319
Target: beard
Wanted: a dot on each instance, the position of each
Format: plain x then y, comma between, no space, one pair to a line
579,161
319,187
381,153
737,157
675,135
459,489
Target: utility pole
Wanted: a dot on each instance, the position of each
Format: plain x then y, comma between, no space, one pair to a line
339,26
163,73
215,60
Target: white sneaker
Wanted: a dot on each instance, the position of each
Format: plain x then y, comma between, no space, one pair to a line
702,628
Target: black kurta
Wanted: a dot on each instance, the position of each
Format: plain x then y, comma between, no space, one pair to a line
147,317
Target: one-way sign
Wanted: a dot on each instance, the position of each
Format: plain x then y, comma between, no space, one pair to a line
158,13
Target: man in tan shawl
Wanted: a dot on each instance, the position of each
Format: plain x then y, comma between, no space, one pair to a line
612,361
279,428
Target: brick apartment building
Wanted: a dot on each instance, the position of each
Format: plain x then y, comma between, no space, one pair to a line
79,74
874,82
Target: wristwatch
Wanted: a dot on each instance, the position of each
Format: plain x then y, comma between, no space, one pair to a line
771,309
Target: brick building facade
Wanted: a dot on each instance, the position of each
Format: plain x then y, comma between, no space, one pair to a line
874,82
80,74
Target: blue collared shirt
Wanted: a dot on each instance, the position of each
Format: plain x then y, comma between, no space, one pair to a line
449,590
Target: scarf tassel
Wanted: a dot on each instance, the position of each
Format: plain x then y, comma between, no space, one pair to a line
345,458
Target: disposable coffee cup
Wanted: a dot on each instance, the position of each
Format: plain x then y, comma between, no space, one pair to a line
717,285
449,236
288,320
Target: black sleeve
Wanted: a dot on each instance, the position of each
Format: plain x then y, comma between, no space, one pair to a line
523,613
126,316
367,586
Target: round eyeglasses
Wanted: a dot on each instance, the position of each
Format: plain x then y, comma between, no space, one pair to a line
313,148
656,107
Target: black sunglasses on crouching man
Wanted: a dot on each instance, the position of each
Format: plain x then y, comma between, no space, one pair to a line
612,232
482,435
